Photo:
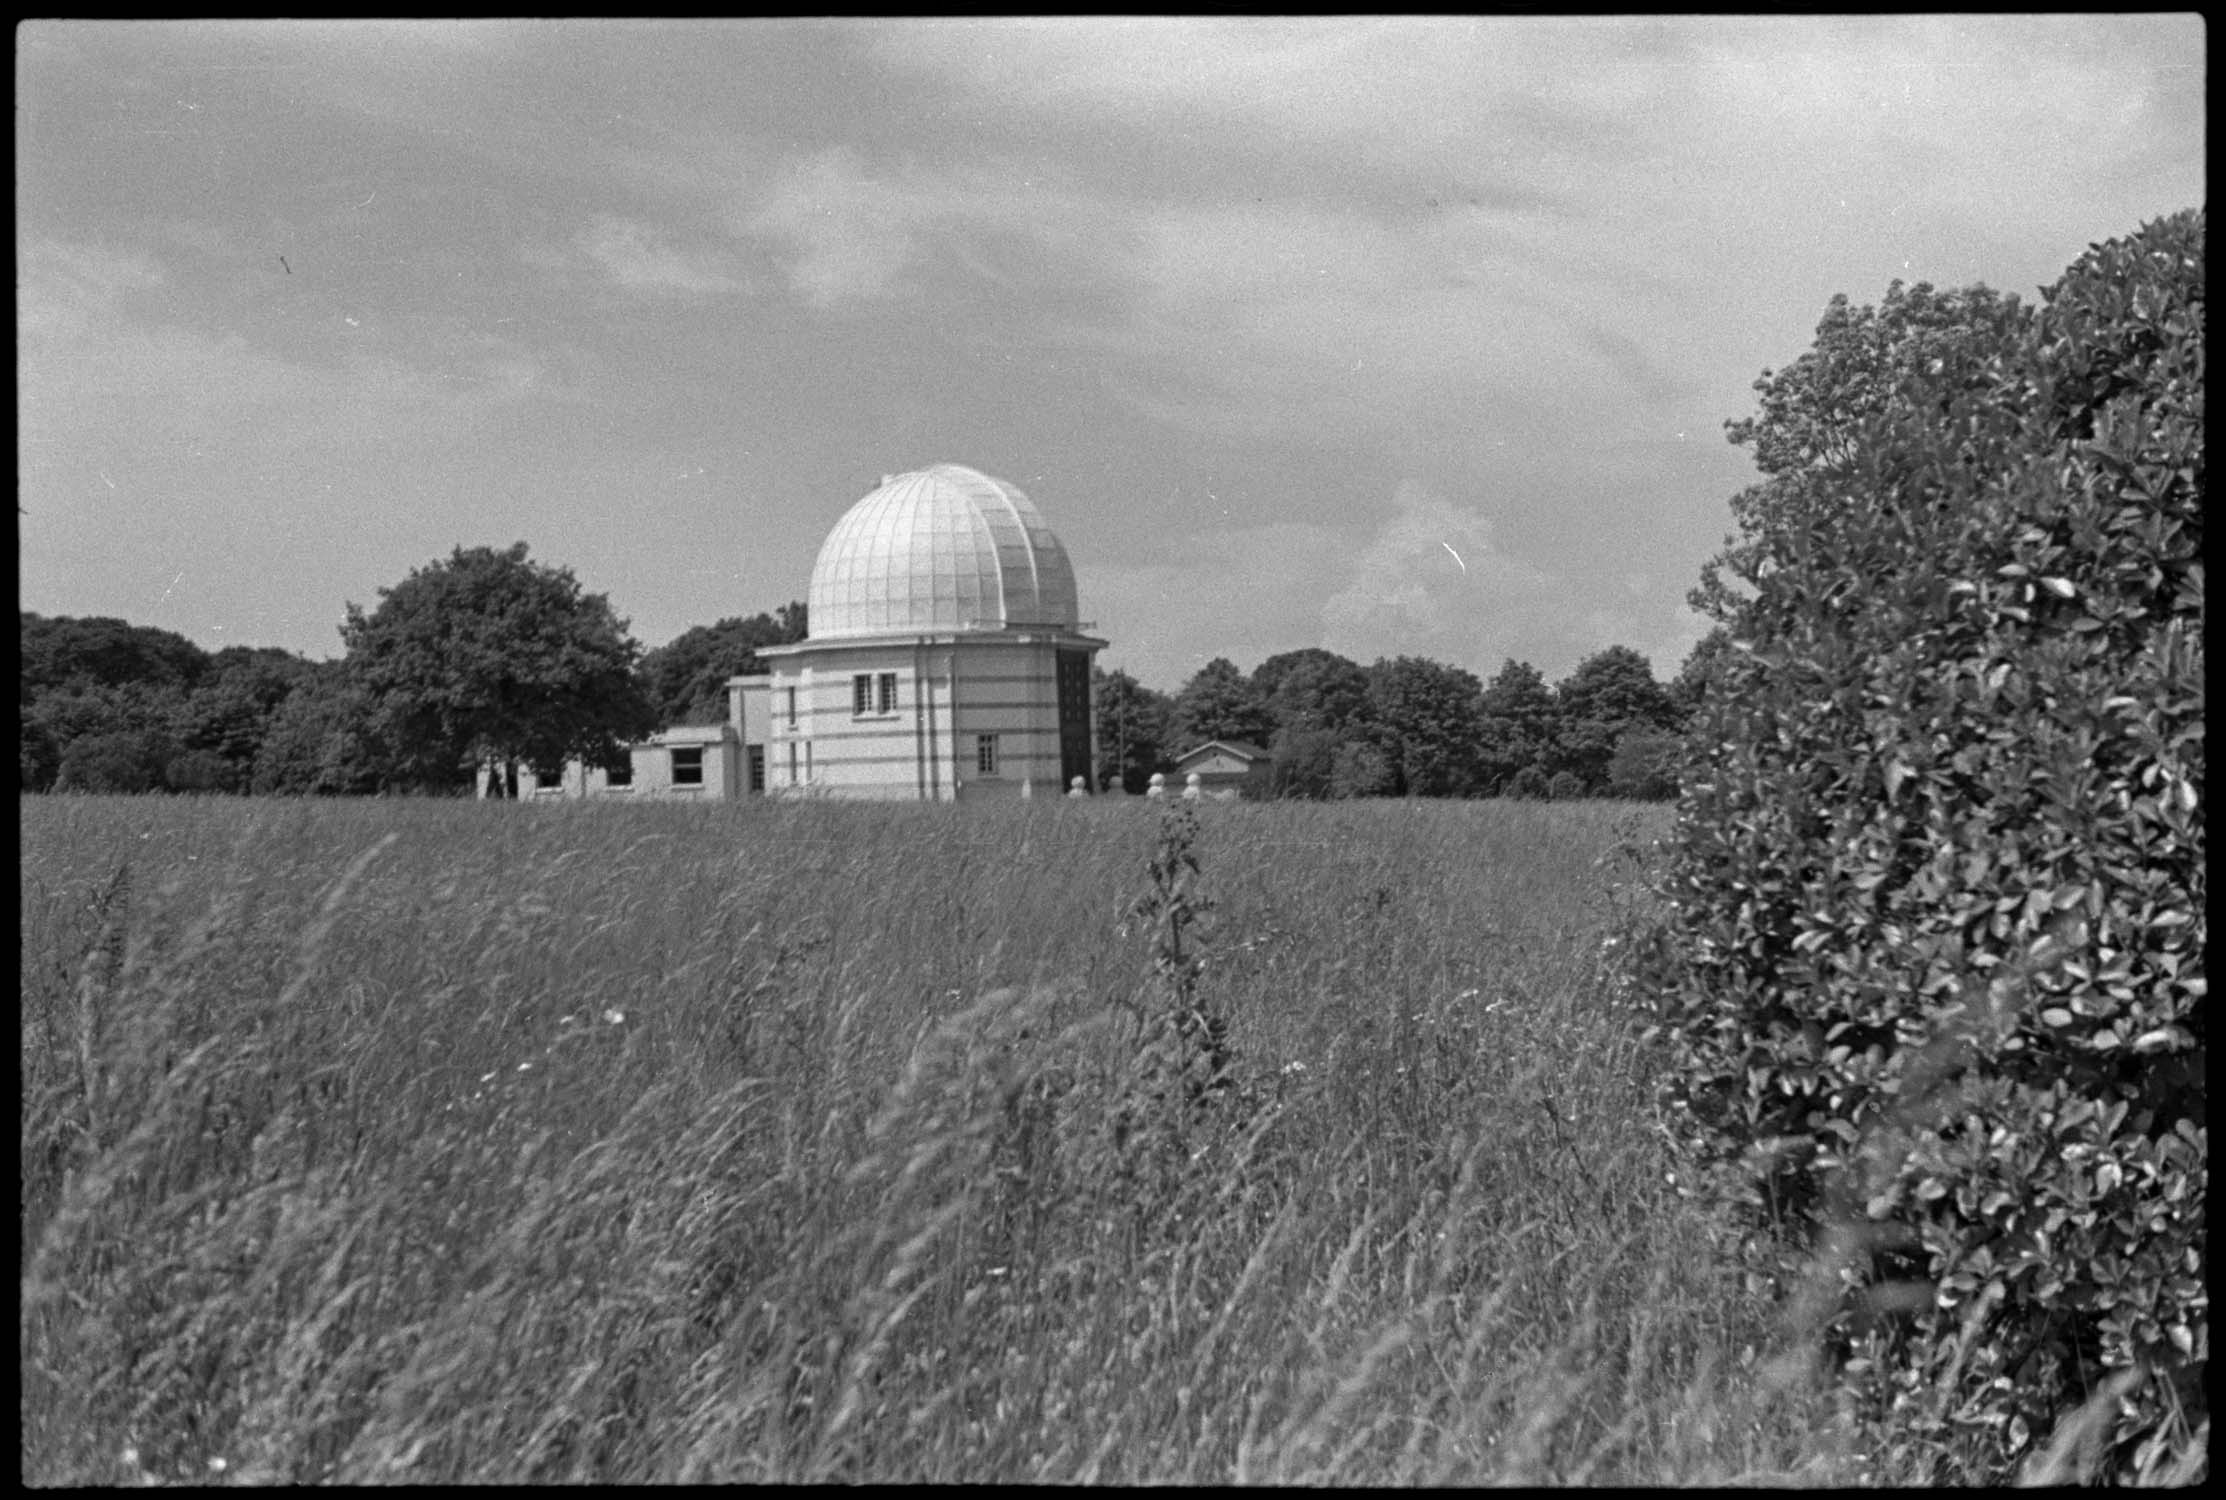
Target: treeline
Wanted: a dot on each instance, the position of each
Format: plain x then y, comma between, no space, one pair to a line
489,658
484,656
1410,727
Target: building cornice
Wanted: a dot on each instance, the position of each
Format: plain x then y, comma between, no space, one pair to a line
907,640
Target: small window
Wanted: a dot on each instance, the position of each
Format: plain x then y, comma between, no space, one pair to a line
687,765
757,768
888,692
861,694
792,777
621,774
548,781
985,754
792,708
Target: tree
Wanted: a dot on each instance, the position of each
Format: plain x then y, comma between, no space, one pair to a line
41,756
126,761
1519,717
1527,785
1644,766
1935,920
1690,685
1218,703
685,679
1312,689
203,771
1803,436
84,707
1316,701
1429,720
1302,762
1611,693
319,741
491,658
1362,769
230,710
1131,731
109,652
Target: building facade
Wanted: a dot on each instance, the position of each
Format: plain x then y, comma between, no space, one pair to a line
945,661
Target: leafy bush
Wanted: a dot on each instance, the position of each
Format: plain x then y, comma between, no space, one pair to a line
202,771
1527,785
40,756
1932,988
126,761
1644,767
1566,786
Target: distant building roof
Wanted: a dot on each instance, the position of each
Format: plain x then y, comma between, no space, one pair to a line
941,549
1241,749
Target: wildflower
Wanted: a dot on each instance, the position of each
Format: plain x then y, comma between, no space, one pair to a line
615,1017
525,1067
1294,1066
216,1466
488,1077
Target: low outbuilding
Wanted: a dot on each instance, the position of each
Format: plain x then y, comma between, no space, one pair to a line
1227,769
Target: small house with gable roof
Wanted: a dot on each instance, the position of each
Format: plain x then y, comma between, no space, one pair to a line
1227,769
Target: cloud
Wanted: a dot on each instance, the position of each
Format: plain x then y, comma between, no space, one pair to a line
1437,581
1414,192
637,258
848,236
1432,582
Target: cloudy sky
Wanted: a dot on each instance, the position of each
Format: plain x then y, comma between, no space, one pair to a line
1389,336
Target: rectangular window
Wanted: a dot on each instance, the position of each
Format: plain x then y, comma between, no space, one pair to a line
757,768
985,754
621,774
548,781
888,692
792,708
792,780
687,765
861,694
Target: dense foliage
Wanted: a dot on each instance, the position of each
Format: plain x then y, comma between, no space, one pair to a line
686,678
152,712
489,657
1407,726
1933,980
1132,731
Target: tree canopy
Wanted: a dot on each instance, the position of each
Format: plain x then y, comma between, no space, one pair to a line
1429,722
686,678
98,650
1219,703
1803,435
490,657
1131,731
1312,690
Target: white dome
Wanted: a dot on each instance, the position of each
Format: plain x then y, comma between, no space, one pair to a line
942,549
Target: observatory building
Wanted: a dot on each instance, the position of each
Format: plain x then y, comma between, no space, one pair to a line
945,661
946,658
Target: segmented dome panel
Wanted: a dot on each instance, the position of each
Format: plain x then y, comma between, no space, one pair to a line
941,549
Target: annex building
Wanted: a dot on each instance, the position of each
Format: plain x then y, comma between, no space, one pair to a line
946,661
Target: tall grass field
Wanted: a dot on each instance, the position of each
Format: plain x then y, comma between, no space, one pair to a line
443,1142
